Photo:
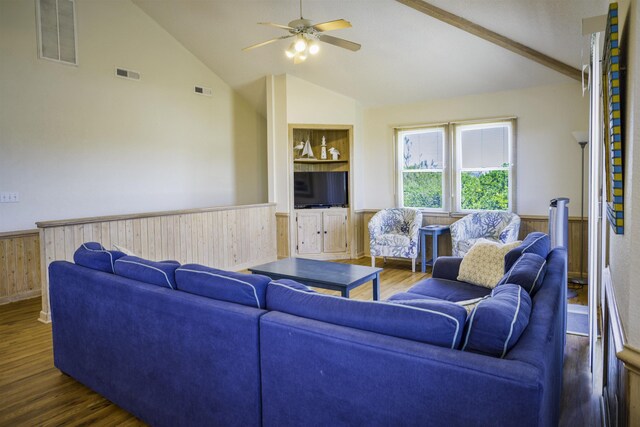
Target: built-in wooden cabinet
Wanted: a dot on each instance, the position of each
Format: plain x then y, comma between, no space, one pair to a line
321,233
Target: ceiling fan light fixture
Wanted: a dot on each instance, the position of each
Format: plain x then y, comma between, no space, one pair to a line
314,48
301,44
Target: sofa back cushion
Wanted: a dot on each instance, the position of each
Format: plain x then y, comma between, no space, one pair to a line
496,323
240,288
536,242
93,255
161,273
430,321
528,271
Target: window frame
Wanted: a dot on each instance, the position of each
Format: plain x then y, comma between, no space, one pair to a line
451,170
400,169
456,176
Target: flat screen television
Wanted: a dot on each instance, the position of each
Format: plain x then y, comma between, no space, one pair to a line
320,189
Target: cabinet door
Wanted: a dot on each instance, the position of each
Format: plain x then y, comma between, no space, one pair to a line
309,232
335,231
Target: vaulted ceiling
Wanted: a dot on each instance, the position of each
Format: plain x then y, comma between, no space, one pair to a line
406,56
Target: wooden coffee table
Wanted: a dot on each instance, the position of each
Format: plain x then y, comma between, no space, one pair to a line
322,274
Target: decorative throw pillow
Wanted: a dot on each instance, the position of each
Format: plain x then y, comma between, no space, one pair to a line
483,265
497,323
528,272
94,255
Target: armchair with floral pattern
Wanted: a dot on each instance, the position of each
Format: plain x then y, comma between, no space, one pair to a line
502,227
394,233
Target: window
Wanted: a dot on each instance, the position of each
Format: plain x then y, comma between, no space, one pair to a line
422,165
483,167
468,166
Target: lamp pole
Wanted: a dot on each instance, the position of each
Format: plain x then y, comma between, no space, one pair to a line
581,280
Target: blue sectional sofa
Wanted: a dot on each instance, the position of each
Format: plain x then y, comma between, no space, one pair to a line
192,345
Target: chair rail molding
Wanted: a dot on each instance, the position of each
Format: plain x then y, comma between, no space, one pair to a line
227,237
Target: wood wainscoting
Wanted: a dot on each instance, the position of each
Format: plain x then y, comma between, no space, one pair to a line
230,238
282,226
19,265
528,224
621,370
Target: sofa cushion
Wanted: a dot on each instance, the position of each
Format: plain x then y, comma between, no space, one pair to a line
483,265
536,242
156,273
450,290
495,325
430,321
93,255
240,288
528,272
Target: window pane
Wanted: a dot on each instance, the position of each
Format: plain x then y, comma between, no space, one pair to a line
485,148
423,150
485,190
422,189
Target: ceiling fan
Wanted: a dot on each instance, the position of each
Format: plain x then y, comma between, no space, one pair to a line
307,37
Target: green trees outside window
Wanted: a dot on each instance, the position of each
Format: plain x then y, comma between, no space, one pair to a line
485,190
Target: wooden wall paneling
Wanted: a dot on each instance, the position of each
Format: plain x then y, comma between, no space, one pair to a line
282,227
231,238
19,265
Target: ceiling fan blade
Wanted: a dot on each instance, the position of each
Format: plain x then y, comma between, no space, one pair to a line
338,24
266,43
271,24
346,44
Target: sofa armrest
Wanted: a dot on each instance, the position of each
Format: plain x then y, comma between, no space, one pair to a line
446,267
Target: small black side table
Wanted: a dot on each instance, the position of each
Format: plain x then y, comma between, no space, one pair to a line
434,231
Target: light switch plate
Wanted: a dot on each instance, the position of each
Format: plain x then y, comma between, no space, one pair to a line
9,197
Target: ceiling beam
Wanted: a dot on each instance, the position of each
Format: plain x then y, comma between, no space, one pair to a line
493,37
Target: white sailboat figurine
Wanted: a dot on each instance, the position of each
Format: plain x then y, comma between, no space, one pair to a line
306,151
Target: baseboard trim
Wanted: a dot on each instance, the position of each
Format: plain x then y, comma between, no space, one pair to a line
44,317
20,297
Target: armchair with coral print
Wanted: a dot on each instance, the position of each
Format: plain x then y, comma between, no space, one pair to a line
501,227
394,233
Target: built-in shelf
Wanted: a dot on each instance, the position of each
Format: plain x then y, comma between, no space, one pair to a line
319,161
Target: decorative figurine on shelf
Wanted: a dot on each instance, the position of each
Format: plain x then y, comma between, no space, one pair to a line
307,151
323,149
334,153
298,148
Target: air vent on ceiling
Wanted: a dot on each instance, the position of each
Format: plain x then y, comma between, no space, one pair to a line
56,22
201,90
127,74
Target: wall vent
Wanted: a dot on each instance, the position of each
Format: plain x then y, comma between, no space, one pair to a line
56,22
127,74
201,90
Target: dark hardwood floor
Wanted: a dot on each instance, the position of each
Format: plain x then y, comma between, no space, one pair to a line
34,393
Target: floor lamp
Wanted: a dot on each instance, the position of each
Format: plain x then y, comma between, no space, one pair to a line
583,139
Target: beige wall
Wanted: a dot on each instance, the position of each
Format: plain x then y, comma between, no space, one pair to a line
78,141
625,249
548,157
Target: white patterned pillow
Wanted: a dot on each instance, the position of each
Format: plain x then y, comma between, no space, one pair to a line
483,265
470,304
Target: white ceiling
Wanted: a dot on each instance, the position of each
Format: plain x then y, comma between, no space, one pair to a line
406,56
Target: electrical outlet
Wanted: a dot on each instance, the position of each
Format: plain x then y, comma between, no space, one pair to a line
9,197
